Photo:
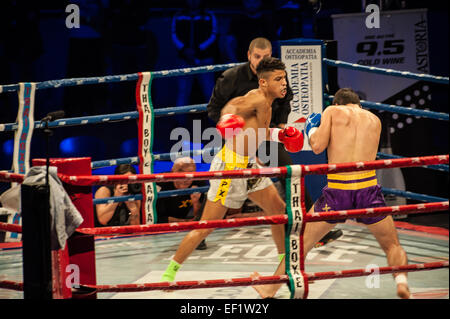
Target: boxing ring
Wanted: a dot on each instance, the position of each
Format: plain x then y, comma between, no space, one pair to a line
76,174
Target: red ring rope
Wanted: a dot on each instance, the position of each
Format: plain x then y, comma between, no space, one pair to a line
14,228
247,281
251,221
262,280
83,180
11,285
265,220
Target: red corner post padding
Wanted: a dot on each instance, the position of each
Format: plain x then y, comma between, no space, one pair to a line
76,263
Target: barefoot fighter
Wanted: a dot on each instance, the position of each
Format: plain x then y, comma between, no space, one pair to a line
349,134
245,125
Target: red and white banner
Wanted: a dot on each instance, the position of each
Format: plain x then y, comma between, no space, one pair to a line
145,138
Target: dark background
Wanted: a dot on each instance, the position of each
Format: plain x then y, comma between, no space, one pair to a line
133,36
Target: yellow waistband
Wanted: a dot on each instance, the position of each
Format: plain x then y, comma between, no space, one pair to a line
353,186
352,181
352,177
231,158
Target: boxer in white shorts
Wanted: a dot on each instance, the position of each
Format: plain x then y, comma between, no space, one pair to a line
232,193
245,125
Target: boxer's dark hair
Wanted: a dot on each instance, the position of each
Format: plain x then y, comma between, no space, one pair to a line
269,64
346,96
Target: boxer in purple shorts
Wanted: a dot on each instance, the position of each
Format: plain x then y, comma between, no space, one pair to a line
343,192
349,134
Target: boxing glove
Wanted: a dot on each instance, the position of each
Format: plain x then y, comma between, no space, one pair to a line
291,138
312,123
230,125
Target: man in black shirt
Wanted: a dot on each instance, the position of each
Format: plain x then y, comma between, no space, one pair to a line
239,80
181,208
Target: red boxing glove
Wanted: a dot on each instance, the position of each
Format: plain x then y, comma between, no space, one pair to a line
229,124
292,139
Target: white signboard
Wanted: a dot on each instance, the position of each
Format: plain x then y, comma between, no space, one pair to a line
304,71
400,43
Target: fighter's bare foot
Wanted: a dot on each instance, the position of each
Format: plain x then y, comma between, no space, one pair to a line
403,291
265,291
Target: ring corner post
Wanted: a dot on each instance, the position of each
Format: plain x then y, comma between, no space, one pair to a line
76,262
37,270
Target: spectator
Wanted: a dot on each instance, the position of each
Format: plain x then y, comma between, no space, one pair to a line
117,214
86,58
181,208
253,22
194,34
289,19
132,48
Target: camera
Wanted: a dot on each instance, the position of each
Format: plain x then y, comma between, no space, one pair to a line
135,189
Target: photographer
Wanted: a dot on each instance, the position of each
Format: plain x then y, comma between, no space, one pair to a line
182,208
122,213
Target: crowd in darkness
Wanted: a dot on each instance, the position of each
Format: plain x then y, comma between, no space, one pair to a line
122,37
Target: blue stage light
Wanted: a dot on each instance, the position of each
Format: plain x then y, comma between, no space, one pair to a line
8,147
129,148
68,145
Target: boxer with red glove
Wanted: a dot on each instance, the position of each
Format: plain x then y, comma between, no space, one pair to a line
291,138
230,125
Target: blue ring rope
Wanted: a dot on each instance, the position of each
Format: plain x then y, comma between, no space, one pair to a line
120,78
400,109
411,195
204,189
437,167
214,68
163,194
156,157
116,117
372,69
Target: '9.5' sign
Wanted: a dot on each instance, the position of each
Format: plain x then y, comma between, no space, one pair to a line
390,47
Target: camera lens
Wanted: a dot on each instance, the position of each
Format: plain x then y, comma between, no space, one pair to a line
134,188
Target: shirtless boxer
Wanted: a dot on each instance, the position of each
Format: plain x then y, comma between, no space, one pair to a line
245,125
350,134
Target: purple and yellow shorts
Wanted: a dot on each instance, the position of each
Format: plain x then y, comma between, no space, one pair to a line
343,192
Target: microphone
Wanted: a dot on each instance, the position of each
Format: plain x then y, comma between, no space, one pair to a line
52,116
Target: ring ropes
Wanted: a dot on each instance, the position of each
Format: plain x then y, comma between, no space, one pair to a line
202,108
294,171
68,82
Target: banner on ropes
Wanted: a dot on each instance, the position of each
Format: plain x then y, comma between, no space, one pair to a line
22,142
303,60
24,132
145,151
400,43
295,208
